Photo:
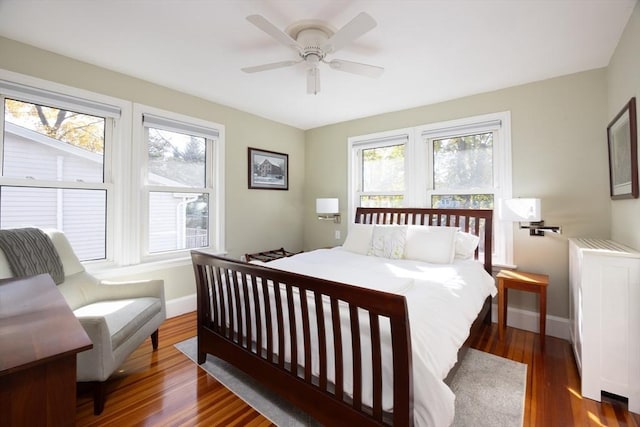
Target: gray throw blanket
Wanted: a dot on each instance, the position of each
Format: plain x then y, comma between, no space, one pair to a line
29,252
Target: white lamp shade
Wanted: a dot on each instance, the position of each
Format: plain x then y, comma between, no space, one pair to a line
520,210
327,206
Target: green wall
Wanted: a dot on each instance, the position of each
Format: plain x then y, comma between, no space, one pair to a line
623,83
559,154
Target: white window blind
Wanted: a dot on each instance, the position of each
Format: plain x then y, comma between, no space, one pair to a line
464,129
384,141
58,100
157,122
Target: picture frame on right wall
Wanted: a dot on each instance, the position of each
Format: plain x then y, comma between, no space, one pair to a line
622,139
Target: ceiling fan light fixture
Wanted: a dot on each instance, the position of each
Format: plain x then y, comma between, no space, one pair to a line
313,59
313,81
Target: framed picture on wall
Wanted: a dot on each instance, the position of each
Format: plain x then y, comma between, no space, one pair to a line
622,135
268,170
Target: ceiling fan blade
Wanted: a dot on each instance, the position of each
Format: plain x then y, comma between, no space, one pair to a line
266,26
313,81
351,31
272,66
356,68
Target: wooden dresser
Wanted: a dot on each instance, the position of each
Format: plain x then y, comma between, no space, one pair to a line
39,340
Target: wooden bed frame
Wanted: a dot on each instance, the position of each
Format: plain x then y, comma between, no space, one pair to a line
229,289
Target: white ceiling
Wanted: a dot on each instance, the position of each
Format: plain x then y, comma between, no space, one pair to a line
432,50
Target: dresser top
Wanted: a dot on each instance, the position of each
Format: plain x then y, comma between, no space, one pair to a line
604,246
36,324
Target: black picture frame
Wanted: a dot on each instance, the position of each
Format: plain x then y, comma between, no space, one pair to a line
268,170
622,140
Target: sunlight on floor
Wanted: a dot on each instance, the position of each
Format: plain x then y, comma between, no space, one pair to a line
593,417
575,393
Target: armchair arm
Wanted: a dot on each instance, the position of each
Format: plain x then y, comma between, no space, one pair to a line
97,363
134,289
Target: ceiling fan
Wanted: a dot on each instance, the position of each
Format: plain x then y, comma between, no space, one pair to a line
313,41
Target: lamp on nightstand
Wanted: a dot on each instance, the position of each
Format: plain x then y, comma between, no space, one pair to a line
328,209
526,210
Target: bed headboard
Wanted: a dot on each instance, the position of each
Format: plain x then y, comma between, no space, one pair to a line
474,221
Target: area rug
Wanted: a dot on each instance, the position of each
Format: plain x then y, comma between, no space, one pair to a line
489,390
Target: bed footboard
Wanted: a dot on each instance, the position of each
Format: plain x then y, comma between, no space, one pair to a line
296,334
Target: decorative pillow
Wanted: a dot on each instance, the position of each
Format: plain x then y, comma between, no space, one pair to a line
359,238
388,241
430,244
466,244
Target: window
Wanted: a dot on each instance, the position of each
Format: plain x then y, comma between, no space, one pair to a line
180,185
55,152
380,174
461,164
457,164
125,182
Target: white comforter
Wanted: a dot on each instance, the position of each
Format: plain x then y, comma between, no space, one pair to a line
443,300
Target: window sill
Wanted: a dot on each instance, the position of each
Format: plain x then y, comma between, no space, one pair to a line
503,266
107,270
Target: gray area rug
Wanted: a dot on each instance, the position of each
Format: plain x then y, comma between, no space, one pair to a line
489,390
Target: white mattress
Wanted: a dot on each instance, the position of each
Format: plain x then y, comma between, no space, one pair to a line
443,301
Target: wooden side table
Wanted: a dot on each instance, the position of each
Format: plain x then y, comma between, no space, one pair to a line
530,282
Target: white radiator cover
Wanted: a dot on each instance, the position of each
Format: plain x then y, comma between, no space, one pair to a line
604,311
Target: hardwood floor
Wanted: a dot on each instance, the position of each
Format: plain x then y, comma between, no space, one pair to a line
166,388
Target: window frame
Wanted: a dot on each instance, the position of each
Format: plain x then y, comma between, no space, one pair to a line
33,90
419,175
214,183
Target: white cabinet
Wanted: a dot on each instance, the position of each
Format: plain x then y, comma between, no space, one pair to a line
604,310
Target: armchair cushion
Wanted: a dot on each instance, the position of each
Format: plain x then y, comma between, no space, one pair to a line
123,317
108,313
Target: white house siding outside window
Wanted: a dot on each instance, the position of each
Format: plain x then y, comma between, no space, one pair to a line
463,164
68,161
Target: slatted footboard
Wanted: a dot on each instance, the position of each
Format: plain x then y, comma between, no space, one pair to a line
244,317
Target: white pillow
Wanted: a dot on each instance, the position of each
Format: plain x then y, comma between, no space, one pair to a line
388,241
430,244
359,238
466,244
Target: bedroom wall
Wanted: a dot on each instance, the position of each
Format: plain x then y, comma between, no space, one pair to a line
279,222
623,83
559,154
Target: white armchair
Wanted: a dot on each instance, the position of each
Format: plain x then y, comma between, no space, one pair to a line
118,317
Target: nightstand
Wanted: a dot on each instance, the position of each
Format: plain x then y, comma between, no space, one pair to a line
520,280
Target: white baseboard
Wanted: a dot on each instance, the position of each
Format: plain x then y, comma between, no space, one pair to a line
529,321
182,305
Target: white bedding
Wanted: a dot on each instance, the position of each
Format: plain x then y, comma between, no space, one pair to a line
442,299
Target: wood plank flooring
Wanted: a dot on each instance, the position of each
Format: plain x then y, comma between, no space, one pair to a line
165,388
